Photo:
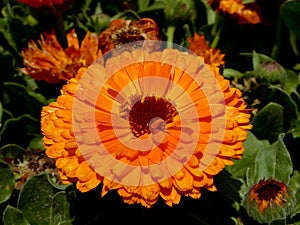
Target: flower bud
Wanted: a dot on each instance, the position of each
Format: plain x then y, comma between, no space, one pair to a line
269,200
179,11
100,21
273,72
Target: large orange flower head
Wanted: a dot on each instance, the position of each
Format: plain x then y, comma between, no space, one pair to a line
121,31
148,124
48,61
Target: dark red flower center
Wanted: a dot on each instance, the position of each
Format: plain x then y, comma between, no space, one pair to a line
268,191
147,110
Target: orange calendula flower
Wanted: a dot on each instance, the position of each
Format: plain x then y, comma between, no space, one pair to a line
200,47
244,13
48,61
148,124
269,200
123,31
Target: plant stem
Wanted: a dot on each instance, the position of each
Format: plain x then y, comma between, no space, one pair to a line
277,41
60,31
216,31
216,39
170,35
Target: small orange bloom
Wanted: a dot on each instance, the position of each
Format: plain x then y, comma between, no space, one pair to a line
48,61
200,47
149,125
123,31
244,13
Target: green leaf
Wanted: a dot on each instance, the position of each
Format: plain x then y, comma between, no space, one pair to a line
268,123
29,99
294,220
7,59
297,66
13,216
296,130
60,209
228,186
210,13
31,83
293,80
176,11
59,187
36,142
290,12
37,96
278,222
44,205
36,204
1,114
255,60
293,42
295,186
16,25
232,73
7,181
12,151
126,14
244,168
155,6
283,98
18,126
258,58
245,165
237,221
271,160
22,14
248,1
143,4
4,29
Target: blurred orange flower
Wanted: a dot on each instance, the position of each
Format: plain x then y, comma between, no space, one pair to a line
244,13
147,129
48,61
49,6
123,31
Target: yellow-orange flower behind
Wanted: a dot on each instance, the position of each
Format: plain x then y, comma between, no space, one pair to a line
244,13
48,61
147,124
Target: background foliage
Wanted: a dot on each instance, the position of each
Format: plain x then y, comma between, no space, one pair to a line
29,190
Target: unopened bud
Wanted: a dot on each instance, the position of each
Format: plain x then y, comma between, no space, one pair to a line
179,11
100,21
269,200
273,72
